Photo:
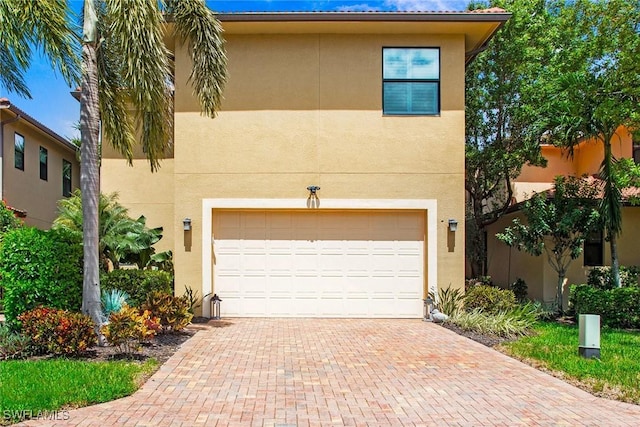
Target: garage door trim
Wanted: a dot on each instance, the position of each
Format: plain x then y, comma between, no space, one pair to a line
428,205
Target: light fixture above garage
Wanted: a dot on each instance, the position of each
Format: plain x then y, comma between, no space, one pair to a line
313,189
453,225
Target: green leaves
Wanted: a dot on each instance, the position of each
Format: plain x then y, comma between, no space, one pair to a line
557,224
44,25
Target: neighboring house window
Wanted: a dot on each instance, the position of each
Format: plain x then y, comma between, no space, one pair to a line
43,163
411,81
19,151
594,249
66,178
636,150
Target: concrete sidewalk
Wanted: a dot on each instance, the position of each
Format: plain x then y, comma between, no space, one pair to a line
354,372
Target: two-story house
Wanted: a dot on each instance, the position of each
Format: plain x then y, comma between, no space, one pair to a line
505,264
38,167
332,181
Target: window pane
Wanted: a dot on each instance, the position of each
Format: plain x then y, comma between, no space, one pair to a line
411,63
66,178
43,163
19,151
410,98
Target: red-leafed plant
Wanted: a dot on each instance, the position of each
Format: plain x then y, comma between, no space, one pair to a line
58,332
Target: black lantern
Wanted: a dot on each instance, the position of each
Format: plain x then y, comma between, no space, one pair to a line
428,308
215,307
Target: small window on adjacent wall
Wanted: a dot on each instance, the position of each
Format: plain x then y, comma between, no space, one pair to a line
594,249
66,177
44,160
636,146
410,81
19,151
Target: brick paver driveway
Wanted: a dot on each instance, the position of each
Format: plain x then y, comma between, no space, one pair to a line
322,372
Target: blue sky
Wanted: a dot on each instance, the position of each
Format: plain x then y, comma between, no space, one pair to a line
53,105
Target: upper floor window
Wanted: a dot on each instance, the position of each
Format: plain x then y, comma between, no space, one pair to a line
43,163
66,178
411,81
19,151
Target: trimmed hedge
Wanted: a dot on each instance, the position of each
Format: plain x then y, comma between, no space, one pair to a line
40,268
601,278
138,284
618,307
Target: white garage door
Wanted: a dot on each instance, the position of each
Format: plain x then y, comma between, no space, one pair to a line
319,264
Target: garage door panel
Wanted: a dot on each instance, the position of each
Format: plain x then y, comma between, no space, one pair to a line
332,264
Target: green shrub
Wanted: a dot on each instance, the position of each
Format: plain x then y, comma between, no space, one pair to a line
137,283
601,277
520,290
173,312
129,328
449,300
618,307
507,324
12,344
40,268
489,299
58,332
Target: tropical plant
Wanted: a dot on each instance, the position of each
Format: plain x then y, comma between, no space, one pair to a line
121,238
192,298
598,92
58,332
489,299
138,284
112,301
449,300
520,290
121,72
557,226
43,25
12,344
172,312
129,328
507,324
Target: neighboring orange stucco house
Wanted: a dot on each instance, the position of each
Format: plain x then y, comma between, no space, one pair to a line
369,107
38,166
506,264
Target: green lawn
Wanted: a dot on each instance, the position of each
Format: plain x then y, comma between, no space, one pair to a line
49,385
555,347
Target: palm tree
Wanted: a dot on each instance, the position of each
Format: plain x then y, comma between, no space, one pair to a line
28,24
126,64
121,238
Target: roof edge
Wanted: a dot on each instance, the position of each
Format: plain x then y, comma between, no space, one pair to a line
488,15
30,119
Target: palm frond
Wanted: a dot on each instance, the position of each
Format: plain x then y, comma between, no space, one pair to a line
197,26
135,32
44,24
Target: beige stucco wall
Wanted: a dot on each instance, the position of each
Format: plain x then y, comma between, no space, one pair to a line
586,159
25,190
506,264
306,109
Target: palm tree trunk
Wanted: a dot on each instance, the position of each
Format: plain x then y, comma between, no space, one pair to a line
615,263
90,182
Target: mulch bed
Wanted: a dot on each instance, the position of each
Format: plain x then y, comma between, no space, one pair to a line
488,340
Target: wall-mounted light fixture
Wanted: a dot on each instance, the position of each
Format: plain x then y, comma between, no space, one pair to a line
186,224
313,189
453,225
